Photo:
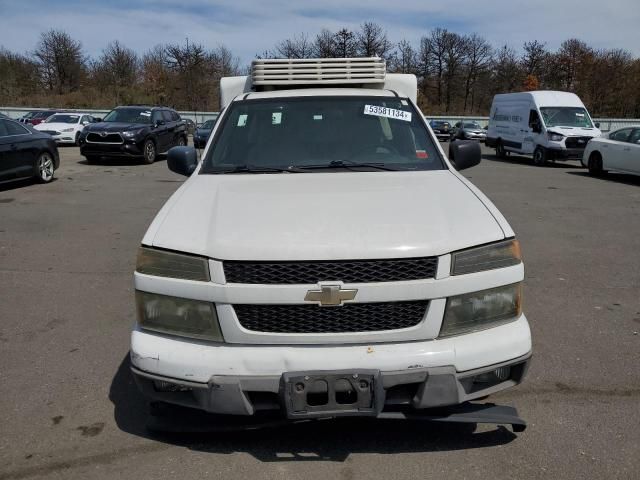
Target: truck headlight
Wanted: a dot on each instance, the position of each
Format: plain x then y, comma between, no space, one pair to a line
178,316
555,137
481,310
132,133
496,255
174,265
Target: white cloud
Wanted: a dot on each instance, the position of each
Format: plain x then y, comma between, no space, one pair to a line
249,27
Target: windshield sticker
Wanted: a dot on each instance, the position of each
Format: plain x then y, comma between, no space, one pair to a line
404,102
378,111
242,120
145,114
421,154
317,117
276,118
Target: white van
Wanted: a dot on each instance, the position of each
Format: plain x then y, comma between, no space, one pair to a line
326,258
546,124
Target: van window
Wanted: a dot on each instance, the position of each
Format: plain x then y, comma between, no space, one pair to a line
534,118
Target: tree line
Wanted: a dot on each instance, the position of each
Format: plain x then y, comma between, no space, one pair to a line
457,74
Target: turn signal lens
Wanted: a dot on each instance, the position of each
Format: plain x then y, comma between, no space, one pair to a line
488,257
174,265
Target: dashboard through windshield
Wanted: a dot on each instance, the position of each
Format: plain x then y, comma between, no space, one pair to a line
310,134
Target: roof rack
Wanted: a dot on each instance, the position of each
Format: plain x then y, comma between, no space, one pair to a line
276,72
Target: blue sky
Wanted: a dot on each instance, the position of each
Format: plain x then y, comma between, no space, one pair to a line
248,27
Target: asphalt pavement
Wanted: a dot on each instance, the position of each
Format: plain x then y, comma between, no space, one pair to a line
69,408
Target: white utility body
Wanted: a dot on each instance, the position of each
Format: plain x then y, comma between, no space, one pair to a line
325,258
549,125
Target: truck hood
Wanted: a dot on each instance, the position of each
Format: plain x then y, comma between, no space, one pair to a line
316,216
575,131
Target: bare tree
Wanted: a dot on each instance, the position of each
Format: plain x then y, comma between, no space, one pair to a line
506,70
454,51
324,45
345,43
117,68
371,41
405,59
478,55
60,61
297,47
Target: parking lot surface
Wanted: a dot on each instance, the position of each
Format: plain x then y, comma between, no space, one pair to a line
69,408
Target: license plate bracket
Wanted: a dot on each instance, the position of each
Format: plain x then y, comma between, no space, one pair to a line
332,393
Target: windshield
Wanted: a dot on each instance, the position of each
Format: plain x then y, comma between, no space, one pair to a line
128,115
63,119
312,133
471,125
566,117
208,125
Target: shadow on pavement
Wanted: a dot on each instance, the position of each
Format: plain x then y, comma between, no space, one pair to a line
522,160
613,177
25,182
326,440
119,161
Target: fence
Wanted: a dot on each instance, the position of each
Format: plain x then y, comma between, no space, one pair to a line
606,124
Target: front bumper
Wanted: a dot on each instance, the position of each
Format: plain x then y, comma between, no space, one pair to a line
127,149
565,153
242,379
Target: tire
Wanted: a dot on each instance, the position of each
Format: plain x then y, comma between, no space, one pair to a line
539,157
182,142
500,151
45,167
149,152
595,165
77,140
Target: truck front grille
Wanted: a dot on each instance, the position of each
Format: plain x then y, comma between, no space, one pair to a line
348,271
351,317
576,142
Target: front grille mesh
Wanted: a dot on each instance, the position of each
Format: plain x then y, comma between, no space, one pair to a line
109,138
576,142
351,317
348,271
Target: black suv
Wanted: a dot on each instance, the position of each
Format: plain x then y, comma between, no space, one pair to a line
133,131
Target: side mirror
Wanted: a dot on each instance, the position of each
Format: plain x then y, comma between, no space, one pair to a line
182,160
98,119
597,124
464,153
158,123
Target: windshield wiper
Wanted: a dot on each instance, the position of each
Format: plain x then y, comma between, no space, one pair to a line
346,164
248,168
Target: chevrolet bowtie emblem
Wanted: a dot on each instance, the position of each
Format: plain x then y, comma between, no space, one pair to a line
332,295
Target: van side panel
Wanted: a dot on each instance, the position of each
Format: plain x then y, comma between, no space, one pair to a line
508,122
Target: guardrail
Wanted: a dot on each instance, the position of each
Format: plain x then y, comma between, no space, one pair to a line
606,124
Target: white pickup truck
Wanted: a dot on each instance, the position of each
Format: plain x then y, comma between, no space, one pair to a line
325,257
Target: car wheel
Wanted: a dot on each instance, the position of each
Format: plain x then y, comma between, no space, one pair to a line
500,151
149,152
182,142
45,167
595,165
539,156
77,140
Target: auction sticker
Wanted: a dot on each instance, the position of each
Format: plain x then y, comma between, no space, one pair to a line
387,112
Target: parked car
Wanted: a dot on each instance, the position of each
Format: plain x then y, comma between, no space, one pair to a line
25,152
133,131
441,128
65,127
28,116
40,116
324,258
468,131
618,150
549,125
202,133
